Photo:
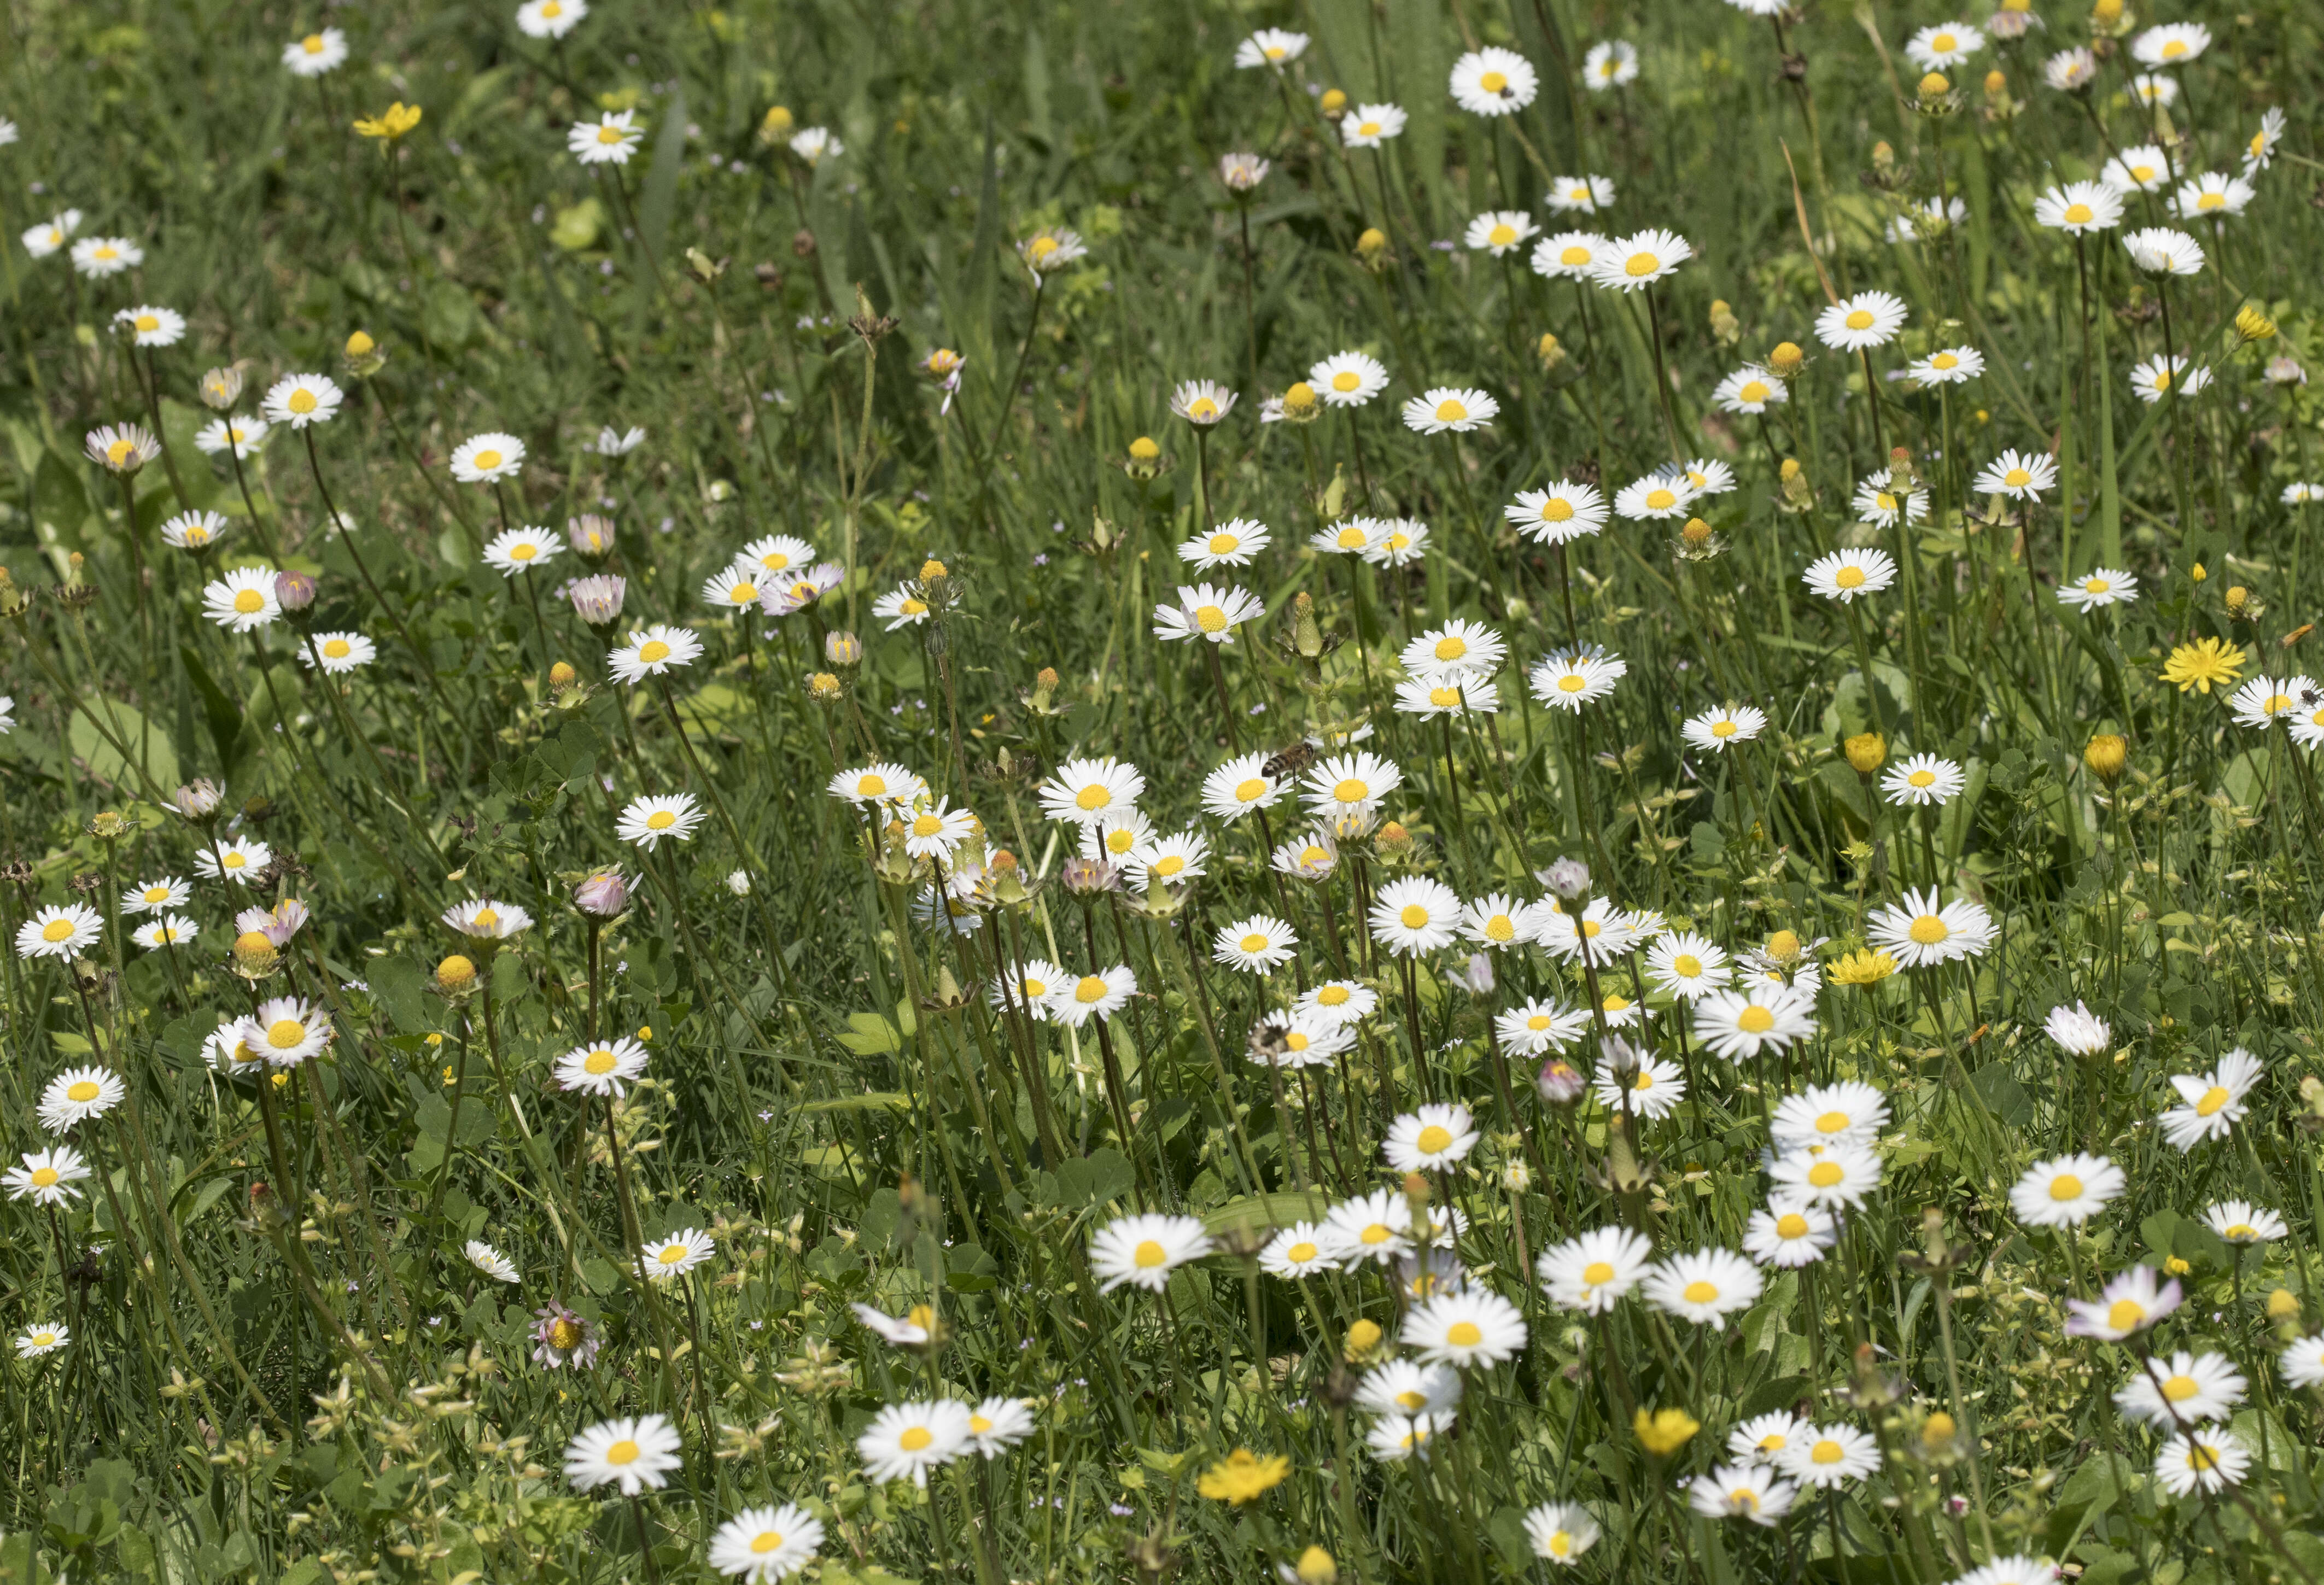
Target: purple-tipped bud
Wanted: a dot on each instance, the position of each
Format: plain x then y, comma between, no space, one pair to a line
603,894
1560,1083
294,590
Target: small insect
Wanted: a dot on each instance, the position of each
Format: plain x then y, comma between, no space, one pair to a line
1289,761
2310,698
1269,1041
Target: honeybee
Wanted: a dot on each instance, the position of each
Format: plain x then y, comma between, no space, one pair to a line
1290,762
1269,1041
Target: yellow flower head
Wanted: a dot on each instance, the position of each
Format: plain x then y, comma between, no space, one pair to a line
1665,1431
389,124
2252,325
2204,664
1862,968
2105,754
1243,1476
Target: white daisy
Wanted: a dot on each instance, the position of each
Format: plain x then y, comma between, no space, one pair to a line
1539,1026
1659,496
77,1094
242,601
2099,587
1838,1175
1567,255
2210,1104
1255,945
2239,1221
60,932
1436,1137
1717,730
316,53
1494,82
1414,914
1343,1001
1947,365
2079,207
553,19
241,436
1445,407
1569,679
175,930
1275,47
1592,1272
487,459
602,1069
1705,1286
1741,1491
1232,543
1923,779
1206,611
1076,1000
877,785
491,1261
1844,575
2021,475
1499,231
152,327
1742,1023
653,652
2185,1389
1144,1251
1560,1532
240,861
2066,1191
300,399
46,1177
1563,512
1922,934
609,140
1465,1329
1787,1235
2207,1459
1651,1087
1944,46
1635,262
2159,251
1370,126
1827,1456
1376,1226
1351,783
756,1544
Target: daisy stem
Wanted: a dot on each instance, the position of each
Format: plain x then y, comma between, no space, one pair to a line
1219,682
1662,380
136,566
645,1543
1009,401
242,483
634,1244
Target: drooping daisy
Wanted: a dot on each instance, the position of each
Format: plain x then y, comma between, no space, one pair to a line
1860,323
1788,1236
602,1069
2159,251
877,785
2239,1221
1944,46
645,821
653,652
1844,575
1830,1176
175,930
1351,783
1144,1251
1947,365
2101,587
1445,408
1539,1026
610,140
491,1261
242,601
1255,945
1932,218
1721,729
1206,611
1085,791
1500,231
2021,475
1494,81
1466,1328
60,932
77,1094
1569,679
1377,1227
1436,1137
2079,207
1650,1087
1635,262
2066,1191
1275,47
1232,543
1741,1491
2185,1389
1657,496
2207,1459
1560,1532
1741,1023
1076,1000
1592,1272
46,1177
2212,1104
300,399
240,861
759,1545
1563,512
1878,501
1370,126
1704,1286
1844,1113
1414,914
316,53
1826,1456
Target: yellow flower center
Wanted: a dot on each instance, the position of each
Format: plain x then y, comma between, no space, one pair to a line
1451,648
248,601
1791,1225
765,1541
1449,412
671,1254
1445,698
1211,619
1378,1233
524,552
1560,1545
1573,682
2065,1186
1941,44
1095,796
1414,915
1397,541
624,1451
927,826
1849,577
83,1091
1149,1255
1088,988
1501,928
549,11
488,459
312,43
1639,264
1861,320
1312,854
1723,729
2212,201
2242,1233
1501,236
600,1061
1944,360
57,930
1662,499
2162,379
1300,1253
1686,965
1698,1292
742,594
2125,1314
2142,173
911,606
1645,1081
2174,49
661,820
2213,1100
1756,389
1824,1174
916,1438
1928,930
609,134
1041,248
337,650
237,861
45,1176
1353,791
1434,1139
871,787
1493,82
2200,1456
1755,1019
1254,942
1923,779
1364,129
2179,1389
1574,256
653,650
1331,995
2078,214
1465,1334
1202,407
2017,478
1826,1451
1225,544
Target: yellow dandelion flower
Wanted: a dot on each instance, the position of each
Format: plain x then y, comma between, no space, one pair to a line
2204,664
1665,1431
1243,1476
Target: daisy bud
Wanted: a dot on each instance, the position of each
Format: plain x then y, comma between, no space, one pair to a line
1550,352
1299,401
1144,449
1362,1338
1696,531
1784,947
1937,1432
776,124
254,956
221,389
932,569
841,648
1559,1082
2284,1304
360,345
1997,84
1934,87
562,675
456,973
1884,157
1866,752
294,591
605,894
2285,371
1333,104
1569,878
198,799
825,688
1393,840
2106,13
1787,359
2236,596
1955,1507
1372,243
1725,327
1315,1565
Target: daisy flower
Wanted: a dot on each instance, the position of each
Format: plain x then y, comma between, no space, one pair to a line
1202,403
45,239
1561,1532
1144,1251
60,932
2300,493
1924,778
242,437
1658,495
1598,934
2159,251
1342,1001
2239,1221
286,1030
2209,1104
1351,537
1652,1087
1499,231
1740,1024
1456,692
1741,1491
1580,195
906,1440
1028,989
1351,783
2206,1460
1929,220
1611,63
1844,1113
1312,857
880,783
653,652
2260,153
1569,679
1494,82
1049,250
2139,169
77,1094
1275,47
1842,1174
1460,645
2070,71
300,399
1255,945
192,530
1239,785
1592,1272
1376,1226
2170,45
2214,196
316,53
1635,262
637,1455
1563,512
758,1545
1399,542
2079,207
1400,1386
46,1177
242,601
997,1425
1826,1456
240,861
553,19
1170,860
2066,1191
1762,1439
1715,729
1493,921
900,608
645,821
152,327
2302,1363
1860,323
513,551
2184,1389
1465,1329
1370,126
2131,1302
2077,1030
2264,698
737,588
491,1261
814,144
666,1259
2154,90
487,459
2101,587
1539,1026
1750,389
1206,611
1231,544
175,930
1686,965
1950,365
1085,791
1075,1001
1566,256
1445,407
602,1069
934,832
1436,1136
2021,475
1705,1286
1844,575
41,1338
1397,1437
1922,935
1296,1251
778,553
1414,913
1788,1235
1877,501
1944,46
609,140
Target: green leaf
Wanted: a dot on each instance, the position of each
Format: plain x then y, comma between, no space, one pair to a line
399,985
1103,1175
149,747
1259,1211
869,1035
658,201
872,1102
70,1043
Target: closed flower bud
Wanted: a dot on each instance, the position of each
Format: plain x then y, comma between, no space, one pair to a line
562,675
1392,840
1362,1338
932,569
1866,752
1997,84
1935,85
1696,531
603,894
776,124
2284,1304
456,973
1316,1566
294,591
1787,359
1724,325
1937,1432
2106,13
1144,449
2252,325
1300,400
841,648
2106,756
825,688
360,345
1551,352
2236,597
1561,1083
1334,103
221,389
1371,243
